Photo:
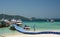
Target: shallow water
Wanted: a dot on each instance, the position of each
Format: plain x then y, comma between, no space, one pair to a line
38,26
44,25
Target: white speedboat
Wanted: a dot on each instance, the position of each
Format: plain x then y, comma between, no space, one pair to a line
18,22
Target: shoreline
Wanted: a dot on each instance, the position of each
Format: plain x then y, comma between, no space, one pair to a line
28,35
18,34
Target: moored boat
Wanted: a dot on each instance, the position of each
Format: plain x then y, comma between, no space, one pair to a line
17,22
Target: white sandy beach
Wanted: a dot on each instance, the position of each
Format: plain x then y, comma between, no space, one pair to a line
39,35
18,34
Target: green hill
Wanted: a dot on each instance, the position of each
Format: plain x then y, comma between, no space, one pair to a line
5,16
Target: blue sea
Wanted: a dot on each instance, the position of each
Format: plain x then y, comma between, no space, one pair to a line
44,25
38,26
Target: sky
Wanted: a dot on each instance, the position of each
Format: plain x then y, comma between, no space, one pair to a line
31,8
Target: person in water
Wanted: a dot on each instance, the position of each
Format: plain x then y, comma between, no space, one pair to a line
34,27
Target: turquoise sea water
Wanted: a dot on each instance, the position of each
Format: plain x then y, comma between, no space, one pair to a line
44,25
38,26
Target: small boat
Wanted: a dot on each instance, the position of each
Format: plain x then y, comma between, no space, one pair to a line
12,28
21,30
4,23
17,22
7,23
13,21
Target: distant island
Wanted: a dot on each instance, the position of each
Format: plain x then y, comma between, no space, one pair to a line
9,17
